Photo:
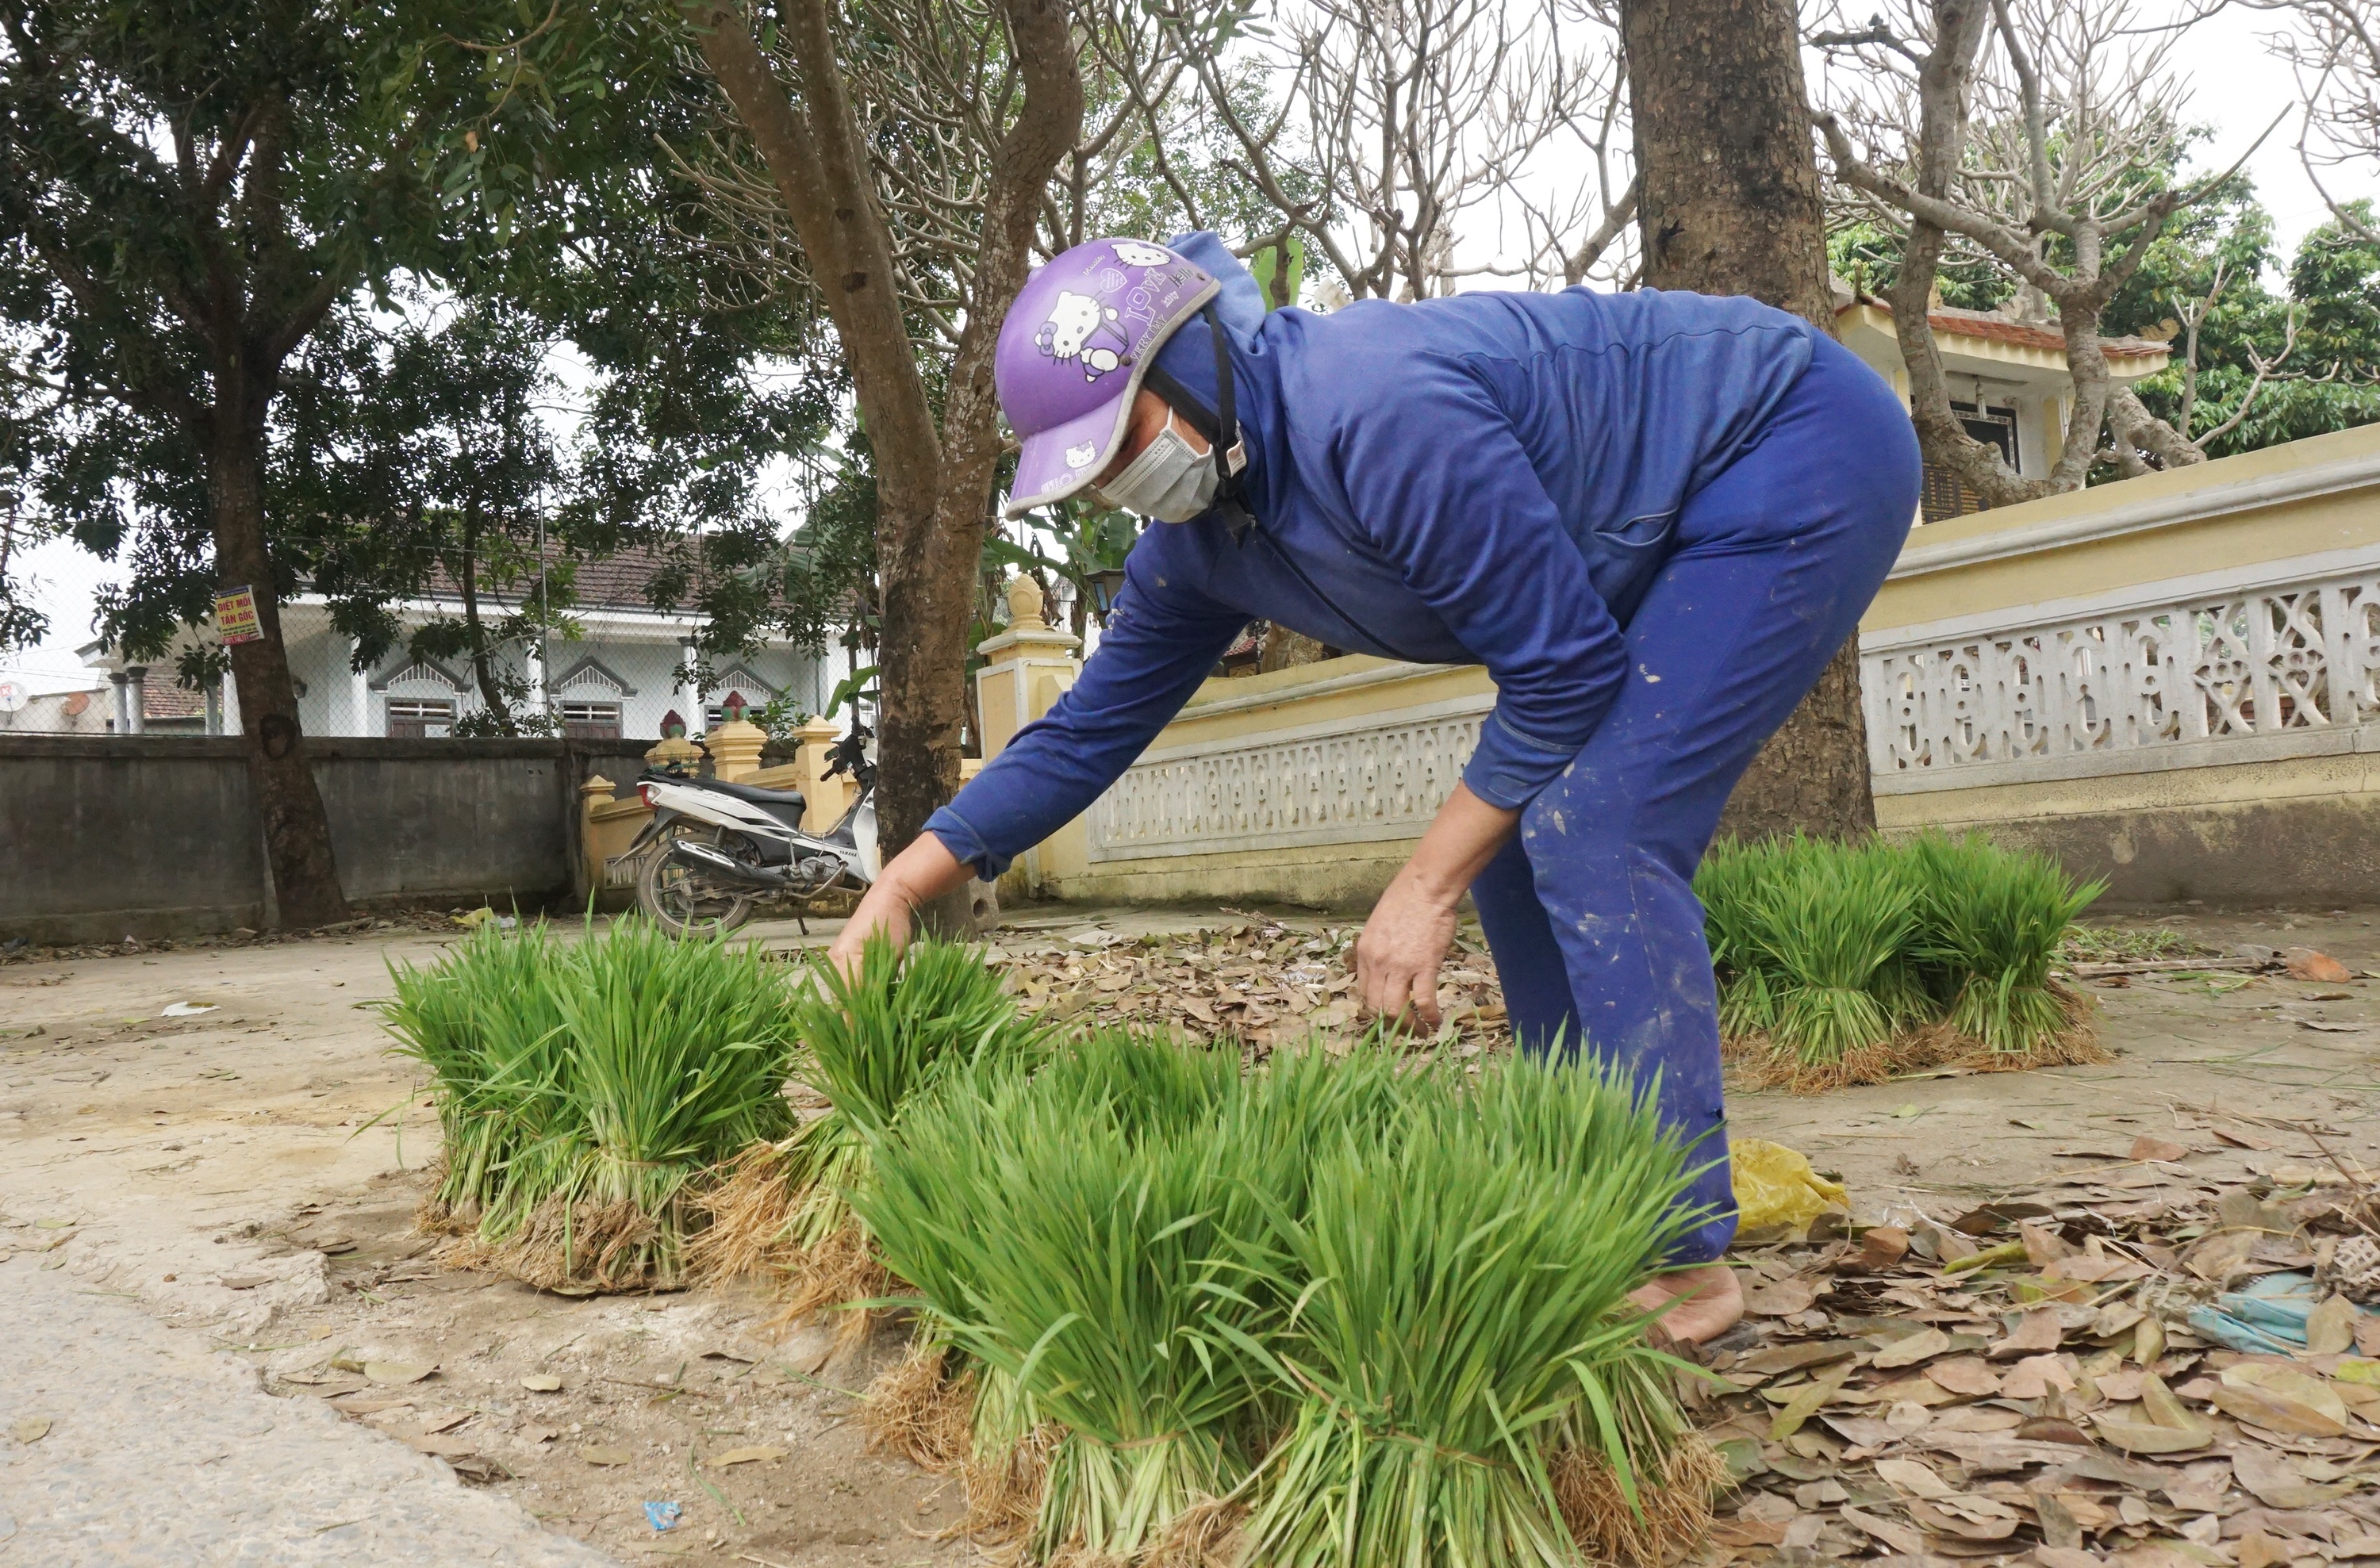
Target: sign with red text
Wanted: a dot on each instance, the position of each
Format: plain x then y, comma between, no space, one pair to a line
236,617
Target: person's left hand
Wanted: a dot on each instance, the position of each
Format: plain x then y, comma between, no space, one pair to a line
1398,955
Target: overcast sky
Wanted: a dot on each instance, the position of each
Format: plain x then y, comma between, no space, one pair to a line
2236,87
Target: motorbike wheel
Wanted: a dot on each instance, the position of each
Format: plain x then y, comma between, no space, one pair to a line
682,900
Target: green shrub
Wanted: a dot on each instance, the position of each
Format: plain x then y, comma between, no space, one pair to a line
580,1087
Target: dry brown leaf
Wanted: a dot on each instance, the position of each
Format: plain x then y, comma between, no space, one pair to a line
1914,1390
2147,1437
1913,1477
397,1372
2163,1406
2149,1147
2034,1333
2278,1483
1902,1539
2065,1557
444,1448
1941,1521
541,1382
1805,1403
1966,1375
2280,1399
2330,1327
1781,1299
1976,1418
2042,1245
2035,1376
1778,1358
1907,1351
756,1453
1881,1246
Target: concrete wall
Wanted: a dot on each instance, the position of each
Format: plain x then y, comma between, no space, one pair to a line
2172,682
153,836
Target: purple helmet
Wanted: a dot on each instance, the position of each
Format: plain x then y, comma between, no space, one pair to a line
1083,331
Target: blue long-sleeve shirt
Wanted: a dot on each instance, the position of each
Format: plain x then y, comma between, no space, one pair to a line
1492,478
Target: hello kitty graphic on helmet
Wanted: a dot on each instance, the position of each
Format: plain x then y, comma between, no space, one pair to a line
1072,350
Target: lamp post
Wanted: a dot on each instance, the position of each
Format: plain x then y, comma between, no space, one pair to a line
1105,584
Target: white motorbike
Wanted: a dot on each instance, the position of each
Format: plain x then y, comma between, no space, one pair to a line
713,851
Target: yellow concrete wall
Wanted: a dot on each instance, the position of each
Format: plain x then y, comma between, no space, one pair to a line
2160,826
2248,536
1252,707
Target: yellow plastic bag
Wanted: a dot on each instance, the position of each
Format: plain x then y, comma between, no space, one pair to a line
1775,1185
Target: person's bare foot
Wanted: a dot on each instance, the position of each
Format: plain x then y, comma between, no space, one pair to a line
1709,1302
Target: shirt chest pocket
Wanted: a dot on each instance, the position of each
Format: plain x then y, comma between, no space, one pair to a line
1622,557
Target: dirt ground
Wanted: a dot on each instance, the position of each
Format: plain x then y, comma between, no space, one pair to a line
251,1171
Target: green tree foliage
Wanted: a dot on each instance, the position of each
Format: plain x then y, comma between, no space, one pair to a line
187,189
2331,287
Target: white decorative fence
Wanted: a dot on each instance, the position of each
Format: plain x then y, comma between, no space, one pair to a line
1356,779
2281,659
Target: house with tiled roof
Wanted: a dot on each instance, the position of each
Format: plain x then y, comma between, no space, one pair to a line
2010,385
631,672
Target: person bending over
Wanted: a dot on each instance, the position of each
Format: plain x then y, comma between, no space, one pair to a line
1654,517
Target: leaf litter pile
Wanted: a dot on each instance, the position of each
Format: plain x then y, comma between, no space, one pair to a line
2130,1363
1250,978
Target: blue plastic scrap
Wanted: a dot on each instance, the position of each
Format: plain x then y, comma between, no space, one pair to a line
2268,1316
663,1517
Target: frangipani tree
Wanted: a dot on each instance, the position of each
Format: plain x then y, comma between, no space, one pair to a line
2044,136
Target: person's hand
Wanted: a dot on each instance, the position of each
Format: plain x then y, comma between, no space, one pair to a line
1398,955
884,909
1411,926
918,875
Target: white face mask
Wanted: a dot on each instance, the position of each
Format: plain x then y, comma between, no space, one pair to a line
1167,481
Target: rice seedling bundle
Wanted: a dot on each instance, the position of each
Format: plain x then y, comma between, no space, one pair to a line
1831,950
1838,921
1461,1324
583,1087
871,1041
1990,921
483,1023
1081,1236
1384,1306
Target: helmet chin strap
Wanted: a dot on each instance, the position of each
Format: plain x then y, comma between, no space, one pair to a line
1230,456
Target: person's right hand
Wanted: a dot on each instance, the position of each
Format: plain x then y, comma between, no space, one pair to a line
884,909
918,875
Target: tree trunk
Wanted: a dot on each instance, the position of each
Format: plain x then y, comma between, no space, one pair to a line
932,483
483,670
296,829
1730,203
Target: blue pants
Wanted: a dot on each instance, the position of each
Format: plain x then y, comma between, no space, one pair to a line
1590,908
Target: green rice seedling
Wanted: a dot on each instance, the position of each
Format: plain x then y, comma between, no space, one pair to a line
1461,1313
873,1040
1076,1234
679,1052
1837,922
1989,921
1737,923
581,1088
483,1023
